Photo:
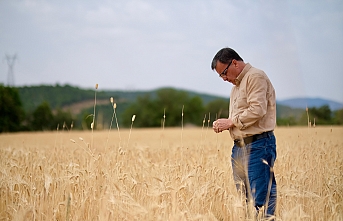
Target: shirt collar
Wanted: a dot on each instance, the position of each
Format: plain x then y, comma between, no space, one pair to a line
242,74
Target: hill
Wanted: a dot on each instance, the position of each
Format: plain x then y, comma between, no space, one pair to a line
57,96
311,102
76,99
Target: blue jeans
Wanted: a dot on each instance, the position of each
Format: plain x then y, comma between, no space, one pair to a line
253,173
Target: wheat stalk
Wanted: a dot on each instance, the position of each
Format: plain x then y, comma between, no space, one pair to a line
182,126
92,124
314,122
89,151
271,170
68,207
208,123
217,134
114,106
202,130
132,120
308,118
163,124
115,115
57,129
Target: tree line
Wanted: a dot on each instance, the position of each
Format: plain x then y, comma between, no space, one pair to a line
167,107
14,118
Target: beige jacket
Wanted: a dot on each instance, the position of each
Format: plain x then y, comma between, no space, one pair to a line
252,103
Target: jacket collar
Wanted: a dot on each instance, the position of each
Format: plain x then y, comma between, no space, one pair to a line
242,74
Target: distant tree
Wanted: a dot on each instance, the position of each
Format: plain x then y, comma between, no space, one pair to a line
42,118
193,112
11,111
287,121
338,117
218,108
149,112
63,120
321,116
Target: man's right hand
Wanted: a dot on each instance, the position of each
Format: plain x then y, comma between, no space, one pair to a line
222,124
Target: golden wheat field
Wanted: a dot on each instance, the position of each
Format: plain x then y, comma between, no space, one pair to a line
161,174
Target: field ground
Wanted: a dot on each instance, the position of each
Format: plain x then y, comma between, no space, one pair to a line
161,174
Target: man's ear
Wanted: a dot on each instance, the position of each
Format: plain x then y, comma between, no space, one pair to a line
234,62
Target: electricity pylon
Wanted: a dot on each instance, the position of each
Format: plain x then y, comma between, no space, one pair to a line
10,62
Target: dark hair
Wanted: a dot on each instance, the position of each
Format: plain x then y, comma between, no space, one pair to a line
225,55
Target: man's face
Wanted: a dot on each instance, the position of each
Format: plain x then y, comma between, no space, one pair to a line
226,71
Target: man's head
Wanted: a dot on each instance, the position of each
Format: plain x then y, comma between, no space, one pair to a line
228,64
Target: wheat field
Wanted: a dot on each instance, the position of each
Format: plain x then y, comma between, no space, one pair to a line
161,174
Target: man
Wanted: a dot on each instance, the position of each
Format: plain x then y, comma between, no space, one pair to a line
252,119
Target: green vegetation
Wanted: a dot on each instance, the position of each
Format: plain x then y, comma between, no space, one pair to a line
67,107
322,116
218,108
11,110
42,117
171,103
338,117
56,96
103,116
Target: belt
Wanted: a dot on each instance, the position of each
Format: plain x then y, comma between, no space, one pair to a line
250,139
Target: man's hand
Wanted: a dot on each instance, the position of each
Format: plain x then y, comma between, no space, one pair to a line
222,124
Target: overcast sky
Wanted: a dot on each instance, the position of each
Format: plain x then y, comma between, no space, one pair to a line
148,44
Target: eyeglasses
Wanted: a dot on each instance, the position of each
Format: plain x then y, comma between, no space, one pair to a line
223,74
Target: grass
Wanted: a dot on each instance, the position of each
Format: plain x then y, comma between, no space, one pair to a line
45,176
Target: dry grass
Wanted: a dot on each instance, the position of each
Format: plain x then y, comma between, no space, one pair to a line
164,174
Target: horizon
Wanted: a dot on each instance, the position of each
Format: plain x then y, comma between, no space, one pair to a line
204,93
